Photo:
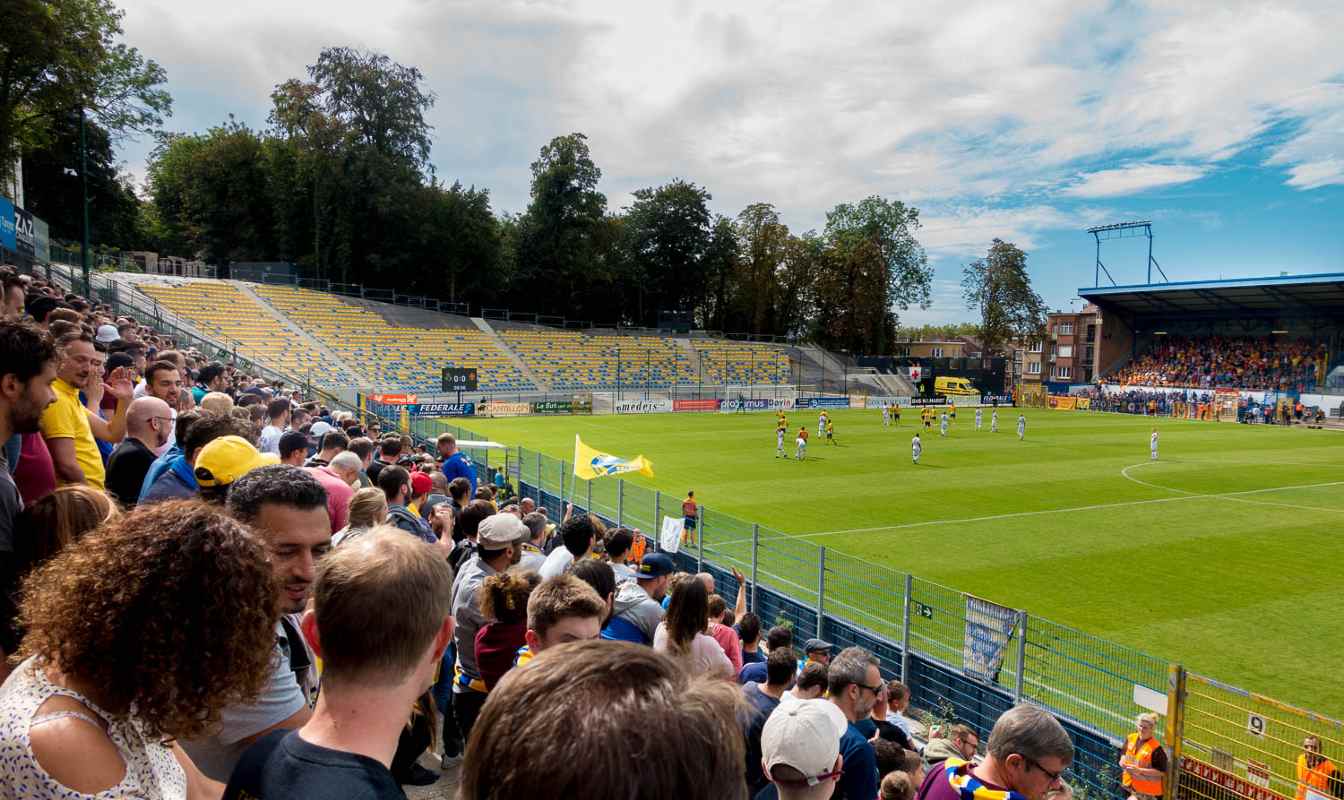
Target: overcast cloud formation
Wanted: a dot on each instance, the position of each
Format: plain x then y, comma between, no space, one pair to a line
1025,121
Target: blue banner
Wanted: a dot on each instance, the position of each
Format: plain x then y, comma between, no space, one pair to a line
989,626
442,410
7,239
823,402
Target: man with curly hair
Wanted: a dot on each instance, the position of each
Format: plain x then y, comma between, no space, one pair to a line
287,507
380,622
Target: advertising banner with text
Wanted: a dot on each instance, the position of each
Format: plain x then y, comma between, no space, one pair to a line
762,404
442,409
695,405
643,406
823,402
496,408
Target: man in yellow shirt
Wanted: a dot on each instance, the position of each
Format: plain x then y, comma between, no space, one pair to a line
68,426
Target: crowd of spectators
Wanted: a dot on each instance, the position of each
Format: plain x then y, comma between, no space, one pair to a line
1227,362
214,588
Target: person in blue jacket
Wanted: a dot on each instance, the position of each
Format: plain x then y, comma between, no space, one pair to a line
455,462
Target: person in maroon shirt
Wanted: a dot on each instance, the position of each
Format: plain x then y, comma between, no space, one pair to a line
1028,751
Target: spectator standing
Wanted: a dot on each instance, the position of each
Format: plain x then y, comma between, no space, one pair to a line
421,486
364,448
380,622
723,634
1028,751
396,485
164,381
149,425
368,509
104,685
816,651
561,610
648,706
618,550
500,539
504,600
180,480
213,377
287,509
27,371
338,479
763,698
68,427
388,451
853,683
681,635
533,558
878,722
690,513
277,419
800,751
1315,772
637,609
780,636
293,448
578,534
749,634
14,297
332,443
455,462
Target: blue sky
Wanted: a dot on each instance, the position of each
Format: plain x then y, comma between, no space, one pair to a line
1221,122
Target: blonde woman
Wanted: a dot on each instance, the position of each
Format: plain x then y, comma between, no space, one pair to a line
368,508
1144,761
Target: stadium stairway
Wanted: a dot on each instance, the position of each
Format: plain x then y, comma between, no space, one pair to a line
486,328
313,344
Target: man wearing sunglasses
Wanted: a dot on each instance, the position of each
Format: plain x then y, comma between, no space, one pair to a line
853,683
149,421
1028,751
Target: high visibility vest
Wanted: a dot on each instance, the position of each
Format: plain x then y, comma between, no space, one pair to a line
1317,777
1142,756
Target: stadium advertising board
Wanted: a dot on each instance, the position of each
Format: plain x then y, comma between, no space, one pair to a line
553,407
583,402
1061,402
1082,403
7,238
731,406
1001,399
695,405
879,402
497,408
823,402
459,379
928,401
397,399
989,626
643,406
25,234
1202,780
442,410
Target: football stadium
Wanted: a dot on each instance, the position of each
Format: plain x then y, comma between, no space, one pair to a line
323,477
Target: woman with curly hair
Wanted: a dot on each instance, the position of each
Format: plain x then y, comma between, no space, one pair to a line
681,635
503,600
138,636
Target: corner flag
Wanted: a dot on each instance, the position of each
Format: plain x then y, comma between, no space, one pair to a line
589,463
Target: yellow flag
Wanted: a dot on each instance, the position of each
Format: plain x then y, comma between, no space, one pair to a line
590,463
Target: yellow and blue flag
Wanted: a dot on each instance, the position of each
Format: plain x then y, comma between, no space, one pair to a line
590,463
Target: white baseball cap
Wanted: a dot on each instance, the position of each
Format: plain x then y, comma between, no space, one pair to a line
804,735
106,334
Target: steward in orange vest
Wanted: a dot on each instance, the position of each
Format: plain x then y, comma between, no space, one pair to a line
1316,772
1144,761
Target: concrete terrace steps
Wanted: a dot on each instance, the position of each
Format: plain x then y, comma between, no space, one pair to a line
504,347
314,345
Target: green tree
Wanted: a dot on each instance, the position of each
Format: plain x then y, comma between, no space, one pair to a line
721,265
876,234
762,248
998,287
667,237
558,235
57,56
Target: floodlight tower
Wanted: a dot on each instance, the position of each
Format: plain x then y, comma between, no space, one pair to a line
1124,230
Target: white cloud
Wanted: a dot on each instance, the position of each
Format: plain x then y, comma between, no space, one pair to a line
1133,179
1315,174
982,105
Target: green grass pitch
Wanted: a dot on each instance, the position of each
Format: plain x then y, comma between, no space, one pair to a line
1225,555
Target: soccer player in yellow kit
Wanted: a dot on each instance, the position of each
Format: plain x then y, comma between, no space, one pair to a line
781,428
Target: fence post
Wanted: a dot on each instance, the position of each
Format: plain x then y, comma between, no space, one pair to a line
589,505
620,504
657,512
905,632
562,485
540,478
755,552
821,591
1021,656
700,542
1175,727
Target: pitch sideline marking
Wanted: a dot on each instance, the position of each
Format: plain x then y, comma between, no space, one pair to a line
1125,473
1017,514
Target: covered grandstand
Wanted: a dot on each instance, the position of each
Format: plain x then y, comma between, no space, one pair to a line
1283,334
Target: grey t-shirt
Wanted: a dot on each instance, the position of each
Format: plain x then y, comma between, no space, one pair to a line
10,506
280,699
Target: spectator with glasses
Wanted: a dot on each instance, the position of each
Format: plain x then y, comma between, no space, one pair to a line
149,426
1028,752
853,682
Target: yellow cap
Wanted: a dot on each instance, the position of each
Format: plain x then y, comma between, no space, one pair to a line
228,458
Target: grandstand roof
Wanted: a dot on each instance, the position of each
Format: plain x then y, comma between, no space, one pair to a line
1252,296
